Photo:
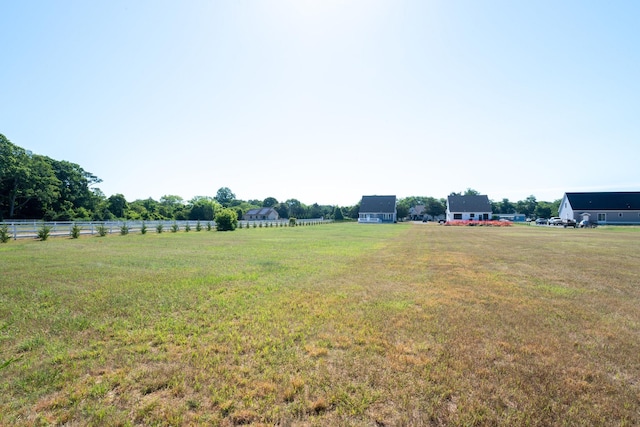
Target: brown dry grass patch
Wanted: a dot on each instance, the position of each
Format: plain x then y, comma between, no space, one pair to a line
412,324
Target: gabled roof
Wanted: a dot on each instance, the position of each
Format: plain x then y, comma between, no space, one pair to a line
260,211
619,201
417,209
378,204
476,203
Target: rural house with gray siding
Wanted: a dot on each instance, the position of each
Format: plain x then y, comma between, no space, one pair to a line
377,210
612,208
262,214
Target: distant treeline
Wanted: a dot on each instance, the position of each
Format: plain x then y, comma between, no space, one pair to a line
33,186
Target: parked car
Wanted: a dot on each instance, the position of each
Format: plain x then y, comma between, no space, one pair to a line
541,221
555,220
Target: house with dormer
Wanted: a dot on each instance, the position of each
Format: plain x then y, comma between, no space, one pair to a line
468,208
377,210
417,212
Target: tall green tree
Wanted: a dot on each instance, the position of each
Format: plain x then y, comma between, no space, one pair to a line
527,206
412,201
337,214
146,209
35,186
543,210
269,202
225,196
506,207
170,206
28,185
42,189
402,208
435,207
296,209
137,211
282,209
203,208
75,187
315,211
117,205
354,211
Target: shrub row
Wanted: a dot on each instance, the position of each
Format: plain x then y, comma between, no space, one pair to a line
101,230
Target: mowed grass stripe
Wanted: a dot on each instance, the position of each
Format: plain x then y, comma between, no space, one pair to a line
347,324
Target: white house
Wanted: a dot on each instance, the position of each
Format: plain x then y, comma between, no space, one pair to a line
614,208
468,208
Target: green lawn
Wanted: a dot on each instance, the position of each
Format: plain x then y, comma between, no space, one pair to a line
339,324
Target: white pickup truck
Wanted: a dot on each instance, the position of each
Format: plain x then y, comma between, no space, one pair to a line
556,220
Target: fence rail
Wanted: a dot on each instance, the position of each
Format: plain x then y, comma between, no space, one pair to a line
28,229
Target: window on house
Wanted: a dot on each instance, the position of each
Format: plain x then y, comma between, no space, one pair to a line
472,215
620,214
602,217
457,216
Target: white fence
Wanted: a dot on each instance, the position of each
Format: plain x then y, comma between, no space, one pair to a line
369,220
28,229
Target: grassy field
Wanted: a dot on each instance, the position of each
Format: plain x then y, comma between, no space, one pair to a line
341,324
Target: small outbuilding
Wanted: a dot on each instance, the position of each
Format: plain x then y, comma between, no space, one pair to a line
513,217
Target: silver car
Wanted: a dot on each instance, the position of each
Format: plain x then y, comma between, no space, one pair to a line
556,220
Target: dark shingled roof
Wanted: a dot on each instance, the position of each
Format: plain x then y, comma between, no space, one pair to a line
479,203
619,201
260,211
378,204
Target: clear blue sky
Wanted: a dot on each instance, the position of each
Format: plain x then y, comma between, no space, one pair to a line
326,101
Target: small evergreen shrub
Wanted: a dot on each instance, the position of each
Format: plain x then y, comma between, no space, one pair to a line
292,222
187,228
255,225
44,232
75,231
4,233
209,226
124,230
174,227
143,228
102,230
198,226
159,228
